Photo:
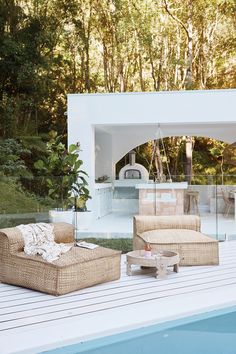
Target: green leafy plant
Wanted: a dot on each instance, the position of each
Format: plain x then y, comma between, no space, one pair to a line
121,244
102,179
62,173
11,159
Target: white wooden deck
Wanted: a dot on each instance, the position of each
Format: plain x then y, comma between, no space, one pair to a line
31,322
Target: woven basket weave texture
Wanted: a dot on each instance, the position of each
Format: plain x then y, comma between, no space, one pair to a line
177,233
74,270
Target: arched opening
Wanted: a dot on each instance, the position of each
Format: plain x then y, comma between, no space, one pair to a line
208,158
213,179
120,123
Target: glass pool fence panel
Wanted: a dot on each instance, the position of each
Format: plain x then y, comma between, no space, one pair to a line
201,199
25,200
193,196
180,196
226,208
213,199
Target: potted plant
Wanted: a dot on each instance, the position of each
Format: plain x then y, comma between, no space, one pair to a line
82,216
62,176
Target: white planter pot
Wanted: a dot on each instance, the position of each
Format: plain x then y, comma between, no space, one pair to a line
83,219
61,216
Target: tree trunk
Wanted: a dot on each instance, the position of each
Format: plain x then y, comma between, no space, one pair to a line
177,78
189,158
142,86
157,160
158,155
188,79
189,73
105,65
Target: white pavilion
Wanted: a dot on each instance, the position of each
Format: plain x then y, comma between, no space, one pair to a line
109,125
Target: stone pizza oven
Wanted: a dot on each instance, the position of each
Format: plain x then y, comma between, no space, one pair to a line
133,171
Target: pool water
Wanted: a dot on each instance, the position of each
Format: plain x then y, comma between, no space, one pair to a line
209,333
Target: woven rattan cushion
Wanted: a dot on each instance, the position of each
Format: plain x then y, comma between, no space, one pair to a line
74,256
144,223
64,233
175,236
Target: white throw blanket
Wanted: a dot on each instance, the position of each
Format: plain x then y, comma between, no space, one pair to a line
39,239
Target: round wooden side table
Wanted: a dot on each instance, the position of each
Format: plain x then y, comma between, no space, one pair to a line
159,260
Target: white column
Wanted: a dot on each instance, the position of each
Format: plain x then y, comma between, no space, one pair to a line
81,131
103,154
87,155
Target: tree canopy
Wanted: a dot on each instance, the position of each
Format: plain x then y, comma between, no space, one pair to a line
49,48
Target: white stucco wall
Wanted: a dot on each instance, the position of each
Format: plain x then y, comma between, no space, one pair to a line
103,155
124,120
137,135
163,107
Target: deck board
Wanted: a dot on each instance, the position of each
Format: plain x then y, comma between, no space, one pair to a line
133,301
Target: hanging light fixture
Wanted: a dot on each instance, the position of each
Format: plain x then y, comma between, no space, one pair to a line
159,136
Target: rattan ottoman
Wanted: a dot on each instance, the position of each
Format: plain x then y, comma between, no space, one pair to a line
77,269
179,234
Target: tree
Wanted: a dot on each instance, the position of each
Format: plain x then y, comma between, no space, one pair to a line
51,48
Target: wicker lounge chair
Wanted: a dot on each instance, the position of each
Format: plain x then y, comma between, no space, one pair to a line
178,233
76,269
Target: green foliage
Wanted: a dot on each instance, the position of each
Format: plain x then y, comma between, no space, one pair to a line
11,159
102,179
62,173
28,35
15,200
51,48
210,158
121,244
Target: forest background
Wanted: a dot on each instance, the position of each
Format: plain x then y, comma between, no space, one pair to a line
49,48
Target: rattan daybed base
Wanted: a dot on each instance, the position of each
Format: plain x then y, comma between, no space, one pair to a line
76,269
178,234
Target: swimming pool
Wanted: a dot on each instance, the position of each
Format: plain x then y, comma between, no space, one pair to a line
209,333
